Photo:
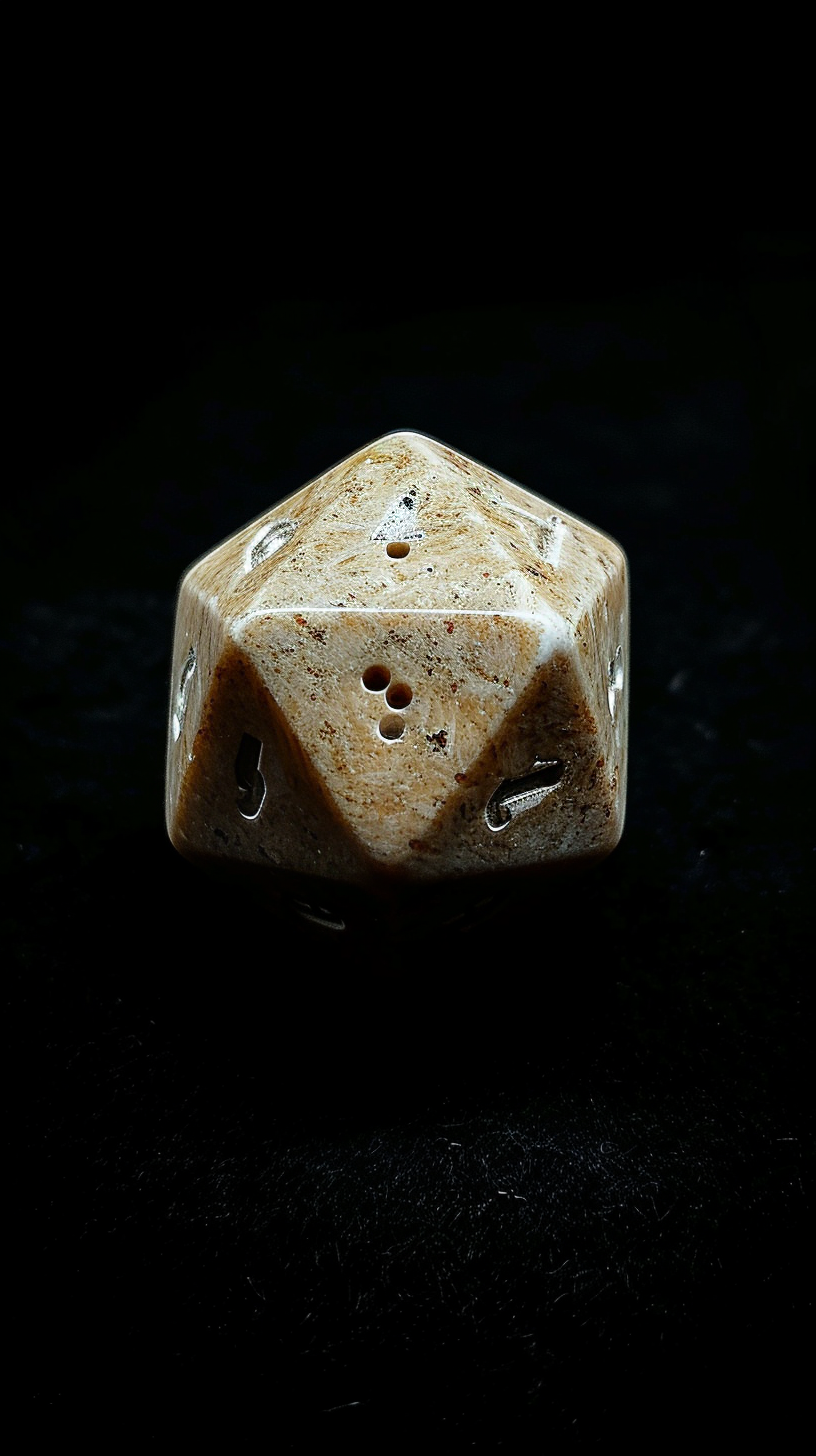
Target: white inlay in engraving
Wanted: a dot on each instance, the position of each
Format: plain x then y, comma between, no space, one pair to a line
183,694
516,796
615,676
269,541
553,534
400,522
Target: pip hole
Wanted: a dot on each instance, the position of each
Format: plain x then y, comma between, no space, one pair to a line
377,677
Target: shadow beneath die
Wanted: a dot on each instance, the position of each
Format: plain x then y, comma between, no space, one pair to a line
452,1172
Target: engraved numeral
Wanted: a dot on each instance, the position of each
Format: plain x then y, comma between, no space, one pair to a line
271,539
517,796
614,681
251,782
183,694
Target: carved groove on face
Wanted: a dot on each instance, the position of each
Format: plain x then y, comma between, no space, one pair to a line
517,796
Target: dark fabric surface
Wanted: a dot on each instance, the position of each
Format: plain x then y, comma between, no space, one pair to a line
546,1179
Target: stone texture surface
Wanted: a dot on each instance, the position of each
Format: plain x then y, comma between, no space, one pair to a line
411,669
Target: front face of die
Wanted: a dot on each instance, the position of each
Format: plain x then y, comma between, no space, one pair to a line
410,669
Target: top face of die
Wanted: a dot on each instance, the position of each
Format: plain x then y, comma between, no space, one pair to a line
413,666
409,523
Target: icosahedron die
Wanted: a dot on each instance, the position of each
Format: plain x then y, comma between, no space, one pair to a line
411,669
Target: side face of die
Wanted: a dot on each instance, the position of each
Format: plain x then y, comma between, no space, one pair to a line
411,669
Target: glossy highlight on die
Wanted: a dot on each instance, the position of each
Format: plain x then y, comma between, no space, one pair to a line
411,670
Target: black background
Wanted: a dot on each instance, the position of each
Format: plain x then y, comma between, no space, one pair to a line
545,1179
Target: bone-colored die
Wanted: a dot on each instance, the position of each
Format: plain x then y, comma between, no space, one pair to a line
411,670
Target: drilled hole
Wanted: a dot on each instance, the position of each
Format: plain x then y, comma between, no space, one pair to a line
392,726
376,678
399,695
397,549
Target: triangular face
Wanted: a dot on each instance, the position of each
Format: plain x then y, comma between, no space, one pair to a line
247,794
391,710
408,523
543,793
